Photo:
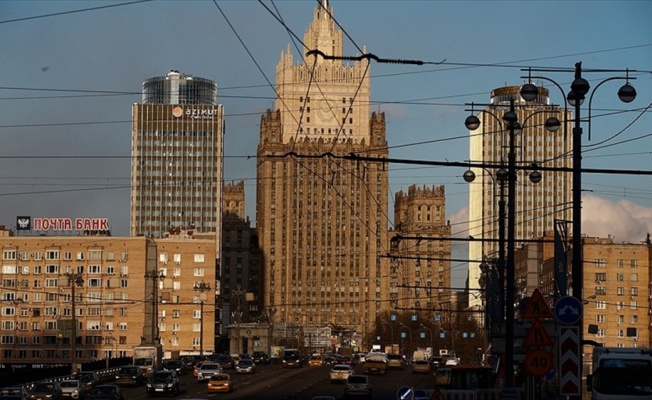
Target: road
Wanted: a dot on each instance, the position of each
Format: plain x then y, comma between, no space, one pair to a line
271,382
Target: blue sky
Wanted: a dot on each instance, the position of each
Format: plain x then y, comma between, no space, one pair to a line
69,80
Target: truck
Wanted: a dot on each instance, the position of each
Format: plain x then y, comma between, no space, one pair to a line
375,363
149,358
620,373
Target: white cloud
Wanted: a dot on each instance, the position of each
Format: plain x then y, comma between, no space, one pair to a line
624,220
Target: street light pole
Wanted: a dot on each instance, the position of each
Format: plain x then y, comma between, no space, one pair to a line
75,281
579,89
201,287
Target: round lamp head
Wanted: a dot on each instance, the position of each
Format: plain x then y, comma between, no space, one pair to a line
574,99
627,93
469,176
535,176
580,86
529,92
472,122
552,124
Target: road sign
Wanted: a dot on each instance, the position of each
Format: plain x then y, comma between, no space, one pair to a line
568,310
570,381
537,307
537,335
405,393
538,362
421,395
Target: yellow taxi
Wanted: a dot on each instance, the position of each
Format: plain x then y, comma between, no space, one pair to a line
220,383
315,360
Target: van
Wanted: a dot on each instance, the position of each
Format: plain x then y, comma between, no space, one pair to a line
293,358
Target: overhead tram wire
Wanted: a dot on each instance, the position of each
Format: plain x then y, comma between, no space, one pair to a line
7,21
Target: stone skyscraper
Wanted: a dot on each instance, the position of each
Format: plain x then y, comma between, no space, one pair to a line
322,220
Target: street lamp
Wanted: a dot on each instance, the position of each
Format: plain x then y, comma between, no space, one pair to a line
201,287
75,280
409,330
578,90
512,125
432,344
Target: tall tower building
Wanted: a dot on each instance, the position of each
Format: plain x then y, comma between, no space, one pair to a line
176,148
538,205
422,274
322,220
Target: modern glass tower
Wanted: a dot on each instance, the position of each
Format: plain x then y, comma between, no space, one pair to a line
176,148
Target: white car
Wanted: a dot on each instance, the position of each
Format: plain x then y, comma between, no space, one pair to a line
340,372
72,389
207,370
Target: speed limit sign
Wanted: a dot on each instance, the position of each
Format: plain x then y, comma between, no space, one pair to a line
538,362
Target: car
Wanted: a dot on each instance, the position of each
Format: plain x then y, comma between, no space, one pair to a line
395,361
175,365
195,369
421,367
226,361
436,362
328,360
72,389
46,390
11,397
14,391
348,360
358,385
129,375
207,370
245,367
219,383
163,382
260,357
340,372
105,392
315,360
90,379
324,398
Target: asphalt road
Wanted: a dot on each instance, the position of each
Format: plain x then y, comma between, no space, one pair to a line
271,382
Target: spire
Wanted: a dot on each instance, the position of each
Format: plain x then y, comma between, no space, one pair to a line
322,34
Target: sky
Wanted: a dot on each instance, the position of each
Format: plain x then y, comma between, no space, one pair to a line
71,70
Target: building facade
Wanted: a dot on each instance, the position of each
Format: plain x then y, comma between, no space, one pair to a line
241,277
322,220
177,146
538,205
127,291
111,311
421,272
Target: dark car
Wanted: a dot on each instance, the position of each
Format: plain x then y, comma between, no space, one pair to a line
225,361
90,379
175,365
260,357
358,385
46,391
129,375
163,382
105,392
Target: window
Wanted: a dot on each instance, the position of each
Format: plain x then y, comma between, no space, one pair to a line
600,318
633,305
620,291
600,263
634,277
199,258
9,254
601,305
51,269
52,254
198,272
620,277
633,263
633,291
94,269
601,277
124,270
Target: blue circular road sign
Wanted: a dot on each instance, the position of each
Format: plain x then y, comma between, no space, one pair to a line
568,310
405,393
